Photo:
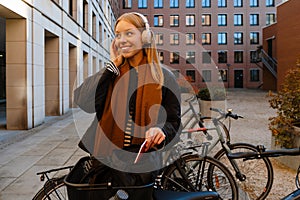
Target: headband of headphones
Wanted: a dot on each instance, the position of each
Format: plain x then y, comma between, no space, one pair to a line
147,26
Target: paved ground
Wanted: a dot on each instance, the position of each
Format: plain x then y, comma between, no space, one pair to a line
54,144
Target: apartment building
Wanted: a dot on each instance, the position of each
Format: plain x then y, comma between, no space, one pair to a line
47,48
209,41
281,48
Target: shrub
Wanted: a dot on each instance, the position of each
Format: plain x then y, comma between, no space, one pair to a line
287,104
211,94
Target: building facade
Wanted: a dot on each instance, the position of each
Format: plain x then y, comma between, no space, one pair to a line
46,49
209,40
281,44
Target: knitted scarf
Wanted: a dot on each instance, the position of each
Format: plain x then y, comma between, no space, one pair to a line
110,131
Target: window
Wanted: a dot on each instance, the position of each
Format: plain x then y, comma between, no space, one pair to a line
222,19
100,32
127,3
174,38
238,38
174,57
270,19
254,21
161,57
174,3
85,15
174,20
190,57
159,38
190,20
191,74
158,4
253,3
222,38
270,3
222,3
190,38
238,57
253,56
94,29
206,38
206,20
70,11
71,7
254,38
206,75
223,75
254,75
222,56
206,57
238,19
158,20
190,3
205,3
238,3
142,4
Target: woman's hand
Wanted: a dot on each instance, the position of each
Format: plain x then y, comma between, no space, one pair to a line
115,56
154,136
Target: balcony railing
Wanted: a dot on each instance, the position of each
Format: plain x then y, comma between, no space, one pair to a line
269,62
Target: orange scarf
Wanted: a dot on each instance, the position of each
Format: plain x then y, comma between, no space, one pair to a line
110,131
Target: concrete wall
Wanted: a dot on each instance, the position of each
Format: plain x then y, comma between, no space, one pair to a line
44,54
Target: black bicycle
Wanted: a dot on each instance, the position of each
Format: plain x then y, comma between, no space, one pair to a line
188,177
68,187
247,172
262,153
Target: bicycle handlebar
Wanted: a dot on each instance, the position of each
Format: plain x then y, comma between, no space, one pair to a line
262,152
228,114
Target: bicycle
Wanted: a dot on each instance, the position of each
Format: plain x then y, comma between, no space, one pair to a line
247,173
63,187
202,177
262,152
191,172
191,114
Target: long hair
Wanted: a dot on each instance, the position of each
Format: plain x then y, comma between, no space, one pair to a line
149,49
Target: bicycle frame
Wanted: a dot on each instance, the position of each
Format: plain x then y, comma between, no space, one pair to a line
225,143
192,119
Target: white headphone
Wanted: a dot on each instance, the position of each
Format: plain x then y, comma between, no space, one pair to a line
146,34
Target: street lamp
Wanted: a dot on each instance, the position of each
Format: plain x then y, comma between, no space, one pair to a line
228,65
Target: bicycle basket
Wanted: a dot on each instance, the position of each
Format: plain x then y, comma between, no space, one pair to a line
78,191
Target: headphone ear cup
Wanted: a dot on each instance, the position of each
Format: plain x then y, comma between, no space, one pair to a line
146,37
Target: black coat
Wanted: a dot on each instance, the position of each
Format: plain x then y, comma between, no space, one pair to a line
91,94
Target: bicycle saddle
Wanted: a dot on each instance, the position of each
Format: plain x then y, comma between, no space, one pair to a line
171,195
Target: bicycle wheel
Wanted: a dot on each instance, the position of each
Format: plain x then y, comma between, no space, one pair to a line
204,173
53,189
258,172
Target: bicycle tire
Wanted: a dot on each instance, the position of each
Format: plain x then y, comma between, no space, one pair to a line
218,178
260,171
54,188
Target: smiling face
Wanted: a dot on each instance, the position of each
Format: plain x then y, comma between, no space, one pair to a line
128,39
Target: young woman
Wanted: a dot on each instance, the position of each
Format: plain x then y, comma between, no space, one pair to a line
137,101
